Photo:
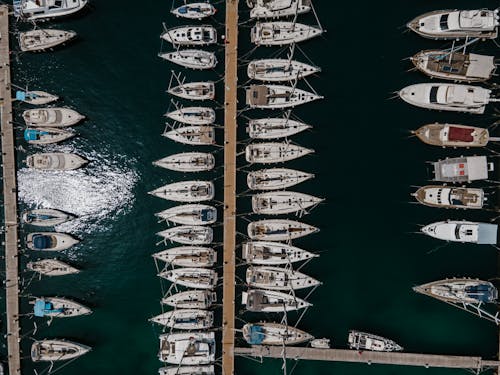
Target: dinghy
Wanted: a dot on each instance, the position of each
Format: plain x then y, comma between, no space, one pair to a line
192,135
276,178
464,169
443,196
368,341
186,191
283,202
188,256
43,39
203,35
271,128
197,278
190,348
187,162
277,96
191,58
276,278
463,231
45,136
194,10
273,253
460,290
32,10
191,299
55,161
274,152
52,117
56,350
194,90
193,115
189,214
278,8
50,241
51,267
278,70
281,33
45,217
187,370
36,97
273,334
270,301
278,230
54,307
188,234
185,319
453,135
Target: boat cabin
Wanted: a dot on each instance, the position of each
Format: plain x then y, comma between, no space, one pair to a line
463,169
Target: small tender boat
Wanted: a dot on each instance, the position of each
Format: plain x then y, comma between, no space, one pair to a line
194,11
452,135
443,196
55,161
270,128
190,214
276,178
191,58
190,348
194,90
185,319
274,152
277,96
320,343
50,241
463,231
191,299
268,301
463,169
46,217
274,334
193,115
192,135
456,24
368,341
45,136
278,8
188,256
277,278
35,97
447,97
197,278
280,33
187,370
187,162
186,191
54,307
455,66
56,350
203,35
283,202
188,234
51,267
460,290
32,10
43,39
52,117
273,253
277,70
278,230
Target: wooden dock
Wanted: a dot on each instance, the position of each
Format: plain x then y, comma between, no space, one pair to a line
230,137
10,199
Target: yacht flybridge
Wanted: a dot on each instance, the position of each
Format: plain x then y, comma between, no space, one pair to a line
464,169
278,8
203,35
460,290
280,33
463,231
453,135
33,10
443,196
278,70
277,96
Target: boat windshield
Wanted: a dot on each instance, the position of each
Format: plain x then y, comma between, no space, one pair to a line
433,94
443,22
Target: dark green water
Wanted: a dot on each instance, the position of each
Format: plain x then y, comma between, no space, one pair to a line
364,166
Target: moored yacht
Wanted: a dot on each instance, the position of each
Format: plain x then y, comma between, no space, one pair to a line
57,350
274,334
196,11
283,202
463,169
189,214
185,319
274,152
463,231
45,217
277,96
278,70
35,97
267,301
278,8
191,299
460,290
190,348
277,278
45,136
273,253
452,135
187,370
193,115
280,33
43,39
191,58
187,162
203,35
188,256
368,341
271,128
276,178
33,10
279,230
192,135
194,90
443,196
55,161
54,307
186,191
52,117
197,278
188,234
50,241
51,267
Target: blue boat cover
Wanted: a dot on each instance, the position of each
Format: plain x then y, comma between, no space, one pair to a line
43,308
21,95
207,215
483,292
33,134
487,234
256,335
41,242
183,10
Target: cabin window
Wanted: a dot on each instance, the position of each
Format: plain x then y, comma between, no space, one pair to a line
443,22
433,94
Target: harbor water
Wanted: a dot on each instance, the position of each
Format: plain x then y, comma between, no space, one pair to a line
365,165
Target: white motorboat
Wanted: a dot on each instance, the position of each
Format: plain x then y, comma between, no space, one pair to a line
45,136
460,290
43,39
197,278
283,202
277,96
50,241
203,35
271,128
278,8
33,10
188,256
268,301
443,196
368,341
55,161
447,97
56,350
53,307
191,299
453,135
279,230
463,231
45,217
457,24
276,178
191,58
196,11
274,334
277,278
323,343
188,234
280,33
52,117
51,267
186,191
35,97
278,70
185,319
190,348
189,214
194,90
187,370
463,169
274,152
187,162
273,253
193,115
192,135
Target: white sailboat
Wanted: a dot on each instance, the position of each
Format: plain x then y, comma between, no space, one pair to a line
194,90
54,307
278,70
283,202
278,8
190,348
51,267
277,96
188,256
189,214
57,350
45,217
273,253
45,136
276,178
187,162
274,152
277,278
188,234
186,191
272,128
191,58
193,115
197,278
185,319
191,299
187,370
35,97
43,39
192,135
270,301
273,334
279,230
202,35
460,290
196,10
280,33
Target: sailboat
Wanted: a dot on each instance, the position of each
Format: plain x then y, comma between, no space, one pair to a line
197,278
280,33
187,370
186,191
273,253
278,70
460,290
283,202
197,10
188,256
193,115
51,267
269,301
187,162
278,8
45,217
188,234
276,178
274,334
43,39
54,307
191,299
189,214
274,152
277,96
194,90
185,319
191,58
202,35
271,128
45,136
277,278
57,350
368,341
35,97
192,135
189,348
279,230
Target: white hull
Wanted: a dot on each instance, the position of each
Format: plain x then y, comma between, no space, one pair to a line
44,10
188,256
194,11
50,241
368,341
45,217
43,39
188,234
460,290
36,97
187,162
186,191
190,348
274,334
191,58
276,278
56,350
279,8
187,370
272,128
197,278
185,319
277,96
463,231
283,202
276,178
56,161
282,33
279,70
45,136
192,135
193,115
191,35
190,214
51,267
269,301
54,307
194,91
191,299
52,117
278,230
274,152
273,253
